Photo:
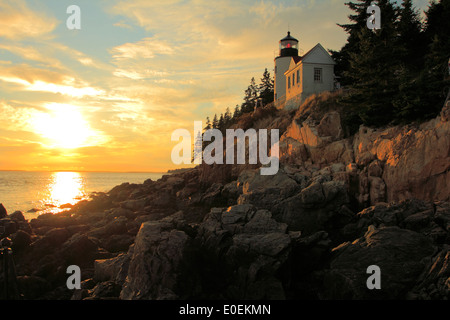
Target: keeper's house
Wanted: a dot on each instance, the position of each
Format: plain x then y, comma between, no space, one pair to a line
297,77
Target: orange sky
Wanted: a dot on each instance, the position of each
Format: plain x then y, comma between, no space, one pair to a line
107,97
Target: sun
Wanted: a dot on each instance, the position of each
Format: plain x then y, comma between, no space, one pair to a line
64,127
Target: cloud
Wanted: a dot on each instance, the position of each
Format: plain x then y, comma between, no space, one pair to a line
146,48
17,21
36,79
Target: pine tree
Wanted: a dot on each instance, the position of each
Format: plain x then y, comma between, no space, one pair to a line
251,94
373,69
208,124
227,118
411,39
215,122
342,57
220,124
411,45
266,88
435,80
237,112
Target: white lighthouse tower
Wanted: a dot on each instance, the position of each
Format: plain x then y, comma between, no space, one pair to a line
288,50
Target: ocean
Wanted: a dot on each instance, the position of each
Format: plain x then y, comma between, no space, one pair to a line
35,193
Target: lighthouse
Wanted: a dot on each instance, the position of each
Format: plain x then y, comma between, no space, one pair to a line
288,50
298,77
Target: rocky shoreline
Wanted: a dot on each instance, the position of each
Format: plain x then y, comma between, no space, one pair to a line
135,243
338,205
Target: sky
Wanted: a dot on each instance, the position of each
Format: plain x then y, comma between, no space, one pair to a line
108,96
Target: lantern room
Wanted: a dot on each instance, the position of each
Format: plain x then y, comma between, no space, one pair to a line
288,46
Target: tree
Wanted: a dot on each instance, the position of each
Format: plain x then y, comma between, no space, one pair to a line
227,118
266,88
215,122
221,124
411,45
411,39
373,68
358,22
237,112
208,124
251,94
435,78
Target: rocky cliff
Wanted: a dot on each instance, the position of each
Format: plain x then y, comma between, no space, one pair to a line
339,204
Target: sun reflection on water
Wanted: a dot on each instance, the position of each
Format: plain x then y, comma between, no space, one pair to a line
65,190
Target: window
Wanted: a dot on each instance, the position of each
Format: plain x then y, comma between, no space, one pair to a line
298,75
289,82
293,79
317,74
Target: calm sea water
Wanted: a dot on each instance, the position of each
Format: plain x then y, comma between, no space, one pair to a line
35,193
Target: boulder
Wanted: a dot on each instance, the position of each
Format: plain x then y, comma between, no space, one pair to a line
314,208
114,269
434,283
156,257
266,191
3,212
79,249
17,216
400,254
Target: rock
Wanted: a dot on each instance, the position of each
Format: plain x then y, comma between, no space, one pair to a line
231,192
213,195
157,255
57,236
20,241
445,112
313,208
79,249
114,269
117,242
134,204
434,283
3,212
375,169
377,190
107,289
60,220
330,125
266,191
416,159
395,214
17,216
400,254
117,226
9,226
33,287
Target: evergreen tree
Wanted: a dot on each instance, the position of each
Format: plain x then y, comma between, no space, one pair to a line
236,113
227,118
435,80
358,22
266,88
411,45
215,122
411,39
373,69
251,94
220,124
208,124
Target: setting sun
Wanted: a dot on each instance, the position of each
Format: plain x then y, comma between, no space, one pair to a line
64,127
